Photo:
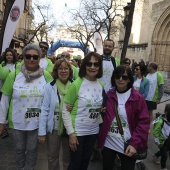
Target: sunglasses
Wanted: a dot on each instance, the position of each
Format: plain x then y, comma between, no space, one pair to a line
96,64
124,77
45,48
127,63
137,69
64,56
29,56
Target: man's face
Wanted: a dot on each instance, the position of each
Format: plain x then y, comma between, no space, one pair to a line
108,47
44,49
65,55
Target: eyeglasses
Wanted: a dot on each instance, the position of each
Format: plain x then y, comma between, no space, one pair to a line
45,48
137,69
64,56
124,77
63,69
29,56
96,64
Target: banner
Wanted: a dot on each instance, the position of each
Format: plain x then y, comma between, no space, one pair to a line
98,43
64,43
12,22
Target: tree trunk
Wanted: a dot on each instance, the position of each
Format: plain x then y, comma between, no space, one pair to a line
128,30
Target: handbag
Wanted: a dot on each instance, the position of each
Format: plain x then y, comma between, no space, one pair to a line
140,154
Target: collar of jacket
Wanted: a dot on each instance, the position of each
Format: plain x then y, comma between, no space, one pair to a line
106,58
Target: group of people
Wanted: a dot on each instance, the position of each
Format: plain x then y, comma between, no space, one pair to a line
151,87
72,109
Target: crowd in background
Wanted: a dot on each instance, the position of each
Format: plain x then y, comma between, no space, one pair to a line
72,103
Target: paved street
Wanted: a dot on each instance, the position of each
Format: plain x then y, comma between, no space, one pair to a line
7,155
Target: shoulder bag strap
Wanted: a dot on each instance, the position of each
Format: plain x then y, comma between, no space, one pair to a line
118,120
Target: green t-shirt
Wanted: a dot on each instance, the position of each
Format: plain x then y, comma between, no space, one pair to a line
155,80
26,99
86,96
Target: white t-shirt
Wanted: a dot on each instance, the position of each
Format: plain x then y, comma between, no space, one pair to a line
87,103
152,86
136,84
107,73
26,102
10,66
43,63
114,139
56,115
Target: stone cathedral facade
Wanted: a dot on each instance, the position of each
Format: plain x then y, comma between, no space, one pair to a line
150,35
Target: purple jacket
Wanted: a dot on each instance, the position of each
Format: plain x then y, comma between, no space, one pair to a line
137,115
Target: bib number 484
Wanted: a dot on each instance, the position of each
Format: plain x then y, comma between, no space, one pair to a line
94,114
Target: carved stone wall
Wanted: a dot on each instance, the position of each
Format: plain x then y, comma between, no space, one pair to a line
160,43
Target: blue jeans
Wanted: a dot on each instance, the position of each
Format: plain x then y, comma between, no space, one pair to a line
26,148
79,160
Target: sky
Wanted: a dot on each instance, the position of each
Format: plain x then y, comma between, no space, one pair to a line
59,6
57,11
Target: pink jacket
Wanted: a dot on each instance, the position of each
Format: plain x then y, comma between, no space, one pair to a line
137,115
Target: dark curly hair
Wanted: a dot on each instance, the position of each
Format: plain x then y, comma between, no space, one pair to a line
13,54
58,64
142,68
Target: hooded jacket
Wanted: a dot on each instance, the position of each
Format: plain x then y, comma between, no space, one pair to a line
137,115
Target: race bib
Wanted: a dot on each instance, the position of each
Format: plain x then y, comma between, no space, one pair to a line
93,114
56,117
114,130
32,114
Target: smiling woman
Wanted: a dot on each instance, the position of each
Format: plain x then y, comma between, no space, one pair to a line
51,122
132,111
82,123
8,64
22,95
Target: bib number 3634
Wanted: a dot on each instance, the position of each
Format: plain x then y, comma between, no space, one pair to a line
32,114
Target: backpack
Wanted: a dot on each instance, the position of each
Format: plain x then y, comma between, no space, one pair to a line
157,119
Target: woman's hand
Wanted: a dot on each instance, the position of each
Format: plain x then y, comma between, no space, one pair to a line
2,127
158,102
73,142
41,139
103,109
69,107
130,150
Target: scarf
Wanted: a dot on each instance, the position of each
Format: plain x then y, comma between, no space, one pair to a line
62,88
31,75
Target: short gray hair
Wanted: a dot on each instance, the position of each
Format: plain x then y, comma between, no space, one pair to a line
31,47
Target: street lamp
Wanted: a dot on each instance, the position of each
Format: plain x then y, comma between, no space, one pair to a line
1,18
42,31
126,14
